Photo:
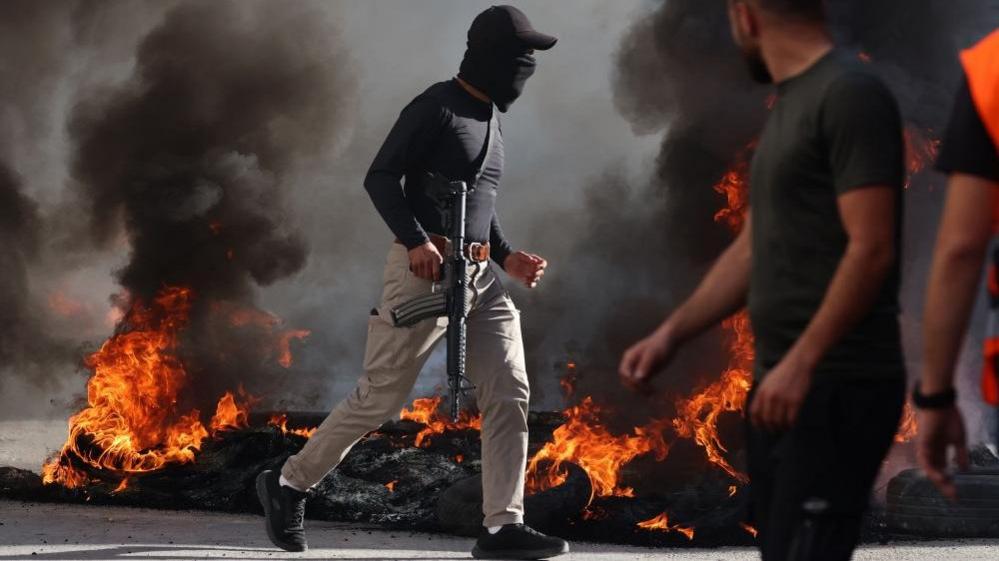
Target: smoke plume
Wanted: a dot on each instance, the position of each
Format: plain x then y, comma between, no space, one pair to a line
679,74
192,158
23,343
189,122
33,37
645,246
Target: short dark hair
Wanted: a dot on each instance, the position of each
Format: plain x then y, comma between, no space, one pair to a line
813,10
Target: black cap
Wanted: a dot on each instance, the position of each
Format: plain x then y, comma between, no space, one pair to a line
506,25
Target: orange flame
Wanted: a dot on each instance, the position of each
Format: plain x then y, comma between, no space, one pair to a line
280,421
284,345
391,486
749,529
568,379
686,531
661,523
733,186
907,428
281,347
121,487
230,415
585,441
697,416
425,410
131,424
920,150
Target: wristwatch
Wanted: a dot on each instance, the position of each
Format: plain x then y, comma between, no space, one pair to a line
939,400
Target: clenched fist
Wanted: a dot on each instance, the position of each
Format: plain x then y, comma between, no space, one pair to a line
525,267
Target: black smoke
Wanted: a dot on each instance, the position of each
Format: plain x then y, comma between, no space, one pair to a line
193,158
33,36
24,346
644,246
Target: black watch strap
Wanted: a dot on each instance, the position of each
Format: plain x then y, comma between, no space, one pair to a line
939,400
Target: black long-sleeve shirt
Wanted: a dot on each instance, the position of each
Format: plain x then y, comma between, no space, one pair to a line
443,130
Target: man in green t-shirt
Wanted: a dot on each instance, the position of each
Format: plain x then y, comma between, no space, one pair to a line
817,264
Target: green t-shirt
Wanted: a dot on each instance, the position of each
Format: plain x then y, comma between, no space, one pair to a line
835,127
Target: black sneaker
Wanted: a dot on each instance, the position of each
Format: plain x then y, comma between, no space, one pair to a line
518,541
284,510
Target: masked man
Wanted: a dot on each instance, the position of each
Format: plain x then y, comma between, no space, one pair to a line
452,130
817,264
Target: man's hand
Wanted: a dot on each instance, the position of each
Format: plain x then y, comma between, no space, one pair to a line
525,267
425,262
720,294
647,357
940,429
779,397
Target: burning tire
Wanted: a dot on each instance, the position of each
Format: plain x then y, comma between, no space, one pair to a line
459,509
915,506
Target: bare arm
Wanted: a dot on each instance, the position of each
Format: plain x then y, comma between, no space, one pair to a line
965,231
868,216
721,294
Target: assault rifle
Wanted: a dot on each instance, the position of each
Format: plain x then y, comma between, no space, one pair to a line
452,302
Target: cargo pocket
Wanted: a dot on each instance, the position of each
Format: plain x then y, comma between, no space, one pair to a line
398,282
389,347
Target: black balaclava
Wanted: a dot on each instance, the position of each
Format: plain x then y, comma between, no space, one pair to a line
499,72
498,60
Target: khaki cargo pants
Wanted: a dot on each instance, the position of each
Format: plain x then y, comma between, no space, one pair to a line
392,361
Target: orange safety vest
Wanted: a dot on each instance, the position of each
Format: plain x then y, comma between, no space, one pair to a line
981,66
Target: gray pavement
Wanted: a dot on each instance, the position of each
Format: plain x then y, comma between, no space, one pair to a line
26,444
33,531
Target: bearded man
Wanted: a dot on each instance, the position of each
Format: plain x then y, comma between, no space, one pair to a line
817,264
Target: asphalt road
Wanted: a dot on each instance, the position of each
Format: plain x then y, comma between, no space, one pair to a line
33,531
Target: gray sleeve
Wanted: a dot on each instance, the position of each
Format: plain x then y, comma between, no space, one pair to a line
862,127
403,150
